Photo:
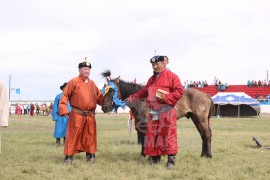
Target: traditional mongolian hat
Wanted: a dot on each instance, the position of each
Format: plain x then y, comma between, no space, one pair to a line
156,59
85,64
64,85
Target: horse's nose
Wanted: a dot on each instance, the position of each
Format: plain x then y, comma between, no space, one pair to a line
104,108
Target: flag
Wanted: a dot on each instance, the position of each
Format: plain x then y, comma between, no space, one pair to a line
18,91
134,81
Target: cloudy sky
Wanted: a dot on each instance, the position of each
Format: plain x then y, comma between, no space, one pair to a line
42,42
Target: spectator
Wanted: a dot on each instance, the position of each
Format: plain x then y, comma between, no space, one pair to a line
24,109
249,83
259,83
18,110
60,121
37,109
205,83
222,87
32,109
28,108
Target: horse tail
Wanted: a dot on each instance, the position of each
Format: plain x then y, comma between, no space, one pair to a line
211,110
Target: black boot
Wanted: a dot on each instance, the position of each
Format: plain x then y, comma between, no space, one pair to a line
68,160
91,157
57,144
171,161
154,160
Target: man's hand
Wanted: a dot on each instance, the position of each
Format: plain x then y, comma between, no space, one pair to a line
162,98
126,100
65,115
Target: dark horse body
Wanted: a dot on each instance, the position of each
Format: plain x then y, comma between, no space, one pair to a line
193,104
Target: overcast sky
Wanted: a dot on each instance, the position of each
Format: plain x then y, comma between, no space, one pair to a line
42,42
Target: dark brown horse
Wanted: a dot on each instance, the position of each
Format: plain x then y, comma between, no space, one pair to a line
193,104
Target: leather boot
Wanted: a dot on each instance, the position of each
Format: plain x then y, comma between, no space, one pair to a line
153,159
156,159
57,143
68,160
171,161
91,157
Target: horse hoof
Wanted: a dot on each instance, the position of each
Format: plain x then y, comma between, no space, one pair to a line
207,155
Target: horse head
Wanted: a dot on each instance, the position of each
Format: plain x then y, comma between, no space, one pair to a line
108,104
112,96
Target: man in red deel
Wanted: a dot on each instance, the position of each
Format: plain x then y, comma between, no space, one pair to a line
162,91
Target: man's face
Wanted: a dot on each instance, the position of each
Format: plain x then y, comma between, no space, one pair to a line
158,66
84,71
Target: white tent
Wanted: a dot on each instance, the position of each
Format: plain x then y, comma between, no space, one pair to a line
235,104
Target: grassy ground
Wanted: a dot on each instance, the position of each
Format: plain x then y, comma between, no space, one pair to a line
28,151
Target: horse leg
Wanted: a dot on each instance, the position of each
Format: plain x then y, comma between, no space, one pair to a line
142,143
143,137
198,127
206,134
209,139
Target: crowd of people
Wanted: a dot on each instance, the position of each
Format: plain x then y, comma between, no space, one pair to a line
259,83
30,108
197,84
220,85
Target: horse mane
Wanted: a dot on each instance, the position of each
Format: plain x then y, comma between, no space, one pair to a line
107,73
125,88
128,88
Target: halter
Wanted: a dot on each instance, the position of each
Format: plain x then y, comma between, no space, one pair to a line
118,103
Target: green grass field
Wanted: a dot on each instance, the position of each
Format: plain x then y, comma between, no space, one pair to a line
28,151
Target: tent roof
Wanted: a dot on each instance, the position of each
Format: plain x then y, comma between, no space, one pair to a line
236,98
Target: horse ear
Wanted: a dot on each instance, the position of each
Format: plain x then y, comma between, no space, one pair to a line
117,80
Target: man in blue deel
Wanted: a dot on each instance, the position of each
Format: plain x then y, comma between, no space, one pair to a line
60,121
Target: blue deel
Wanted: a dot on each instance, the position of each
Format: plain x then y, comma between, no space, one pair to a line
60,122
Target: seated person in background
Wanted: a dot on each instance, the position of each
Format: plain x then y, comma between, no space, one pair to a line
199,85
252,83
226,85
222,87
259,83
205,83
195,84
264,83
248,83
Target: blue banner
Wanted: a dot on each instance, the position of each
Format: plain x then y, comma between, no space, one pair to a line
18,91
